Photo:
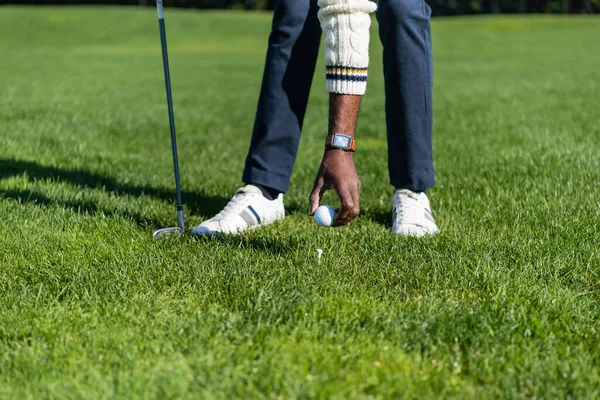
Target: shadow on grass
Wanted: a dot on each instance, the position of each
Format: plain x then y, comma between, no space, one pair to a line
26,196
377,215
382,217
275,245
197,203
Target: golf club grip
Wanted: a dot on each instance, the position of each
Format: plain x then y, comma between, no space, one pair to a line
160,9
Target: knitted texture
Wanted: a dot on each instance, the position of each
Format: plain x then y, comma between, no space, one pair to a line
346,26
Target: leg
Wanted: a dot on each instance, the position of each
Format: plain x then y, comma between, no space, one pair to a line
289,69
405,34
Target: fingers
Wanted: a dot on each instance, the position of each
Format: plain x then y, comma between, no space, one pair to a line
356,197
350,204
316,195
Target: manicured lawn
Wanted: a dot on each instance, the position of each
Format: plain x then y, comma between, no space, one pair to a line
504,302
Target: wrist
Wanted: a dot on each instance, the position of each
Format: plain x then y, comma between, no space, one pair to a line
335,150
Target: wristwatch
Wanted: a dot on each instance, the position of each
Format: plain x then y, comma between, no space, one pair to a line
341,141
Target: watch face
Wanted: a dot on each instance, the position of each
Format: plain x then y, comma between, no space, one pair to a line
342,141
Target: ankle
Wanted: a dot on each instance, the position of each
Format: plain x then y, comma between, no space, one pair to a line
412,190
267,192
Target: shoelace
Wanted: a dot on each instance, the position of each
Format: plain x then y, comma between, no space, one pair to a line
238,202
408,204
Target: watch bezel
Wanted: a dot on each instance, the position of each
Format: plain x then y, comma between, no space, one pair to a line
347,138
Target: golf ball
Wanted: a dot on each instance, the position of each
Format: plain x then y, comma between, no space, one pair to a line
324,215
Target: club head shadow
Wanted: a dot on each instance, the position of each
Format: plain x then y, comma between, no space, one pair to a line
167,232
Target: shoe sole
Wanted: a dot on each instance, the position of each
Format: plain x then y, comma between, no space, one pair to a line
250,228
415,231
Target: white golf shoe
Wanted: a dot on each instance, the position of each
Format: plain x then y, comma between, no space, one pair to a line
248,209
412,215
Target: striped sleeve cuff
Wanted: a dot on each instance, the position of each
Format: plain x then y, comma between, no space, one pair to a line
346,79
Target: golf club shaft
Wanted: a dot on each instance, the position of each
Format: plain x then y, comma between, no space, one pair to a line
163,41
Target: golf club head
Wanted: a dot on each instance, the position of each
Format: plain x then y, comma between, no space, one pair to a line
167,232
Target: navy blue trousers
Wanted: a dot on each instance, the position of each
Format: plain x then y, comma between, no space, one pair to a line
290,65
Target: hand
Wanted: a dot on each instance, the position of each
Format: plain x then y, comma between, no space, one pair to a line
338,172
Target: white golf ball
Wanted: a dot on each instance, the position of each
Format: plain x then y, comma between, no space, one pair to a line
324,215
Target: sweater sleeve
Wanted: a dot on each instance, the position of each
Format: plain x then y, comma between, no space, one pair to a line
346,26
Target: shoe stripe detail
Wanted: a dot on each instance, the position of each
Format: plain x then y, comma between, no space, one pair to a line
429,216
247,218
255,213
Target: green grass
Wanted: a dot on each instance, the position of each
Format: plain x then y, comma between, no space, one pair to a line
504,302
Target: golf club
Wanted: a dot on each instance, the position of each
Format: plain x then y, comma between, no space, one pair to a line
163,39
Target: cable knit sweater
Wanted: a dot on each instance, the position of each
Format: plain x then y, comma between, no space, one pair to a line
346,26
